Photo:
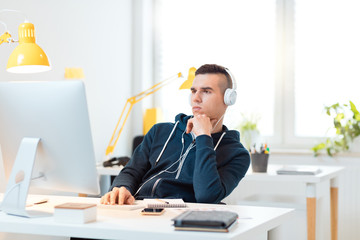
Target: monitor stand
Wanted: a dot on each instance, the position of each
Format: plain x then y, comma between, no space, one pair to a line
16,193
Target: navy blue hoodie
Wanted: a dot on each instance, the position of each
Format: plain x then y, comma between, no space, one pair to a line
203,175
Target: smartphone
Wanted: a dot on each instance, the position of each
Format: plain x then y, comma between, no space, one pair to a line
152,211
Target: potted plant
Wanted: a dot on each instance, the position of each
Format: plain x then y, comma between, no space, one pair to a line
347,125
249,136
249,133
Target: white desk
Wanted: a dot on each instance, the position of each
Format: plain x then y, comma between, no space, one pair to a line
255,223
110,171
314,189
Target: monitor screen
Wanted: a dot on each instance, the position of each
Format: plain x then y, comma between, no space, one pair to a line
51,119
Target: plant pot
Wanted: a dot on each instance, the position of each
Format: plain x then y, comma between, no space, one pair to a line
259,162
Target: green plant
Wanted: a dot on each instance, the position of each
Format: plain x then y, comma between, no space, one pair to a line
347,125
248,130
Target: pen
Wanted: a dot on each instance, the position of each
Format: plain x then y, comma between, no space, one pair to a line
162,201
41,201
37,203
266,149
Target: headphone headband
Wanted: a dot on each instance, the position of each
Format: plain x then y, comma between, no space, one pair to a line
232,79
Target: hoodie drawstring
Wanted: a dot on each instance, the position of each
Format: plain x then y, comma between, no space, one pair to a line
167,141
217,144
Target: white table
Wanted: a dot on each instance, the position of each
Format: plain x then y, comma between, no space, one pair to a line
254,223
109,171
314,189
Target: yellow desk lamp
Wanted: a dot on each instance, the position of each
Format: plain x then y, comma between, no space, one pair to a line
137,98
74,73
27,57
191,76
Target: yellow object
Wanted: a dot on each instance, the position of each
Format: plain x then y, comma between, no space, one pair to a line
28,57
74,73
151,117
5,38
127,108
188,83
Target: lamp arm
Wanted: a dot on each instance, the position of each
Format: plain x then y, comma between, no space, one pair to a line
156,87
116,134
129,104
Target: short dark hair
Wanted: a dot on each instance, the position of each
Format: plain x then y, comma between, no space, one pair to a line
214,68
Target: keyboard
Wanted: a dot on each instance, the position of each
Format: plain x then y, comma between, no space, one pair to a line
121,207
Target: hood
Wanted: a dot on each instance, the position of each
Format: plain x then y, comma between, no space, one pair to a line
183,118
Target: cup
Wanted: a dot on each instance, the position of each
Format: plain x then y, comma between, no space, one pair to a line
259,162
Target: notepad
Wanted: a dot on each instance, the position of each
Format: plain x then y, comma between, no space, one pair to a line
164,203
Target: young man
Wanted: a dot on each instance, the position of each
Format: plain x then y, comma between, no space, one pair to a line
196,158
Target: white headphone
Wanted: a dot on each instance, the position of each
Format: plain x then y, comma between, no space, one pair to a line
230,93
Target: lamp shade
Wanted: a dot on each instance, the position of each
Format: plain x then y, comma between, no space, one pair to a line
188,83
28,57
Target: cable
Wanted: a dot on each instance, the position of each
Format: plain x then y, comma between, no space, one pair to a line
179,159
162,171
17,11
6,29
163,149
182,156
217,122
182,159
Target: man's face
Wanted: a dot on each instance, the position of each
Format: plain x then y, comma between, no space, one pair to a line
207,95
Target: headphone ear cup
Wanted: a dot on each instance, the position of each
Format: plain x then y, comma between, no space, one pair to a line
230,96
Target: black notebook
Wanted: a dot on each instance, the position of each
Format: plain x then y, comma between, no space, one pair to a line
213,221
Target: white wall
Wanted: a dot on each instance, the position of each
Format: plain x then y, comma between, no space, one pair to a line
93,35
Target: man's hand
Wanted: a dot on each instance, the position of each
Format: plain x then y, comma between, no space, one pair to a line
118,196
200,124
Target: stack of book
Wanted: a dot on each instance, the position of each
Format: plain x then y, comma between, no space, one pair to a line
298,170
202,220
75,213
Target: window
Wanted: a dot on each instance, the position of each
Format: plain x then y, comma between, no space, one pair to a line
237,34
327,61
290,58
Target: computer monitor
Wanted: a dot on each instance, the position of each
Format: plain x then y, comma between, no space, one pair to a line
2,174
45,140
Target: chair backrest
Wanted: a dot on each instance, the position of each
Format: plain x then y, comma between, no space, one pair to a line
136,142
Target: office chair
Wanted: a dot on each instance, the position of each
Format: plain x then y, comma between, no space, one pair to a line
117,161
